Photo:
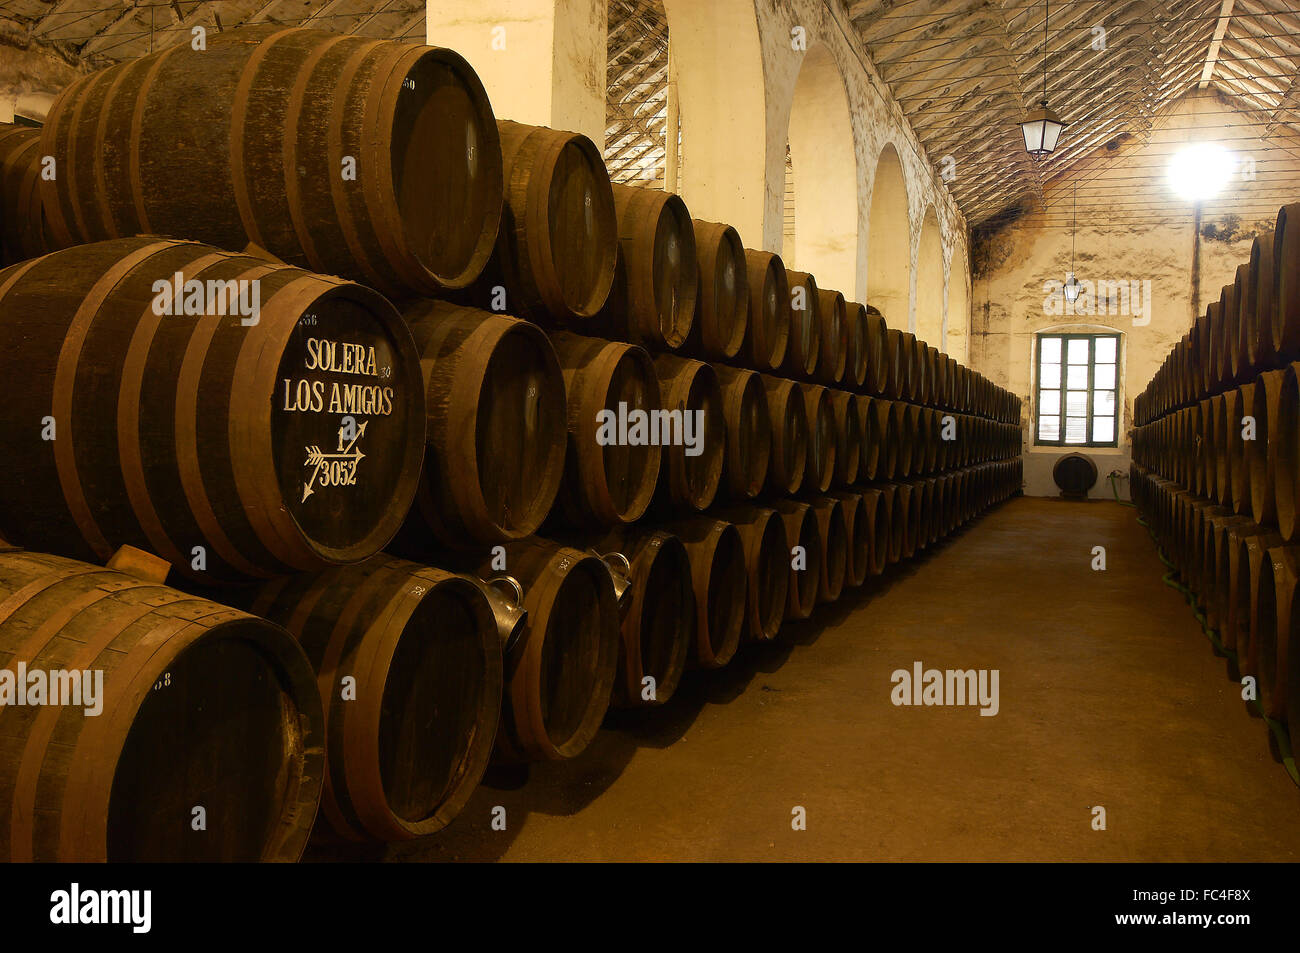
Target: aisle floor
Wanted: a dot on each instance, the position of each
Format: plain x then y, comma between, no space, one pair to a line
1109,697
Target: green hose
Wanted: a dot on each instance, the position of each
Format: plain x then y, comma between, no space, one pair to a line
1279,730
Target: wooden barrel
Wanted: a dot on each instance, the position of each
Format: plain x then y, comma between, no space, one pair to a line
803,536
1226,428
1284,688
767,335
496,425
899,498
1204,331
878,362
658,615
898,365
694,433
609,473
1238,611
24,230
1286,283
1218,569
408,662
929,438
858,333
652,301
790,436
869,446
264,122
1261,451
819,472
848,436
1239,346
1222,335
748,429
555,256
925,527
561,672
722,303
911,446
1284,451
914,347
1239,449
914,499
833,316
1257,306
231,449
833,535
858,530
767,568
194,704
803,351
939,360
1258,656
887,417
876,503
716,550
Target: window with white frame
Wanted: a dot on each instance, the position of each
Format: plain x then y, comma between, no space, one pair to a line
1078,390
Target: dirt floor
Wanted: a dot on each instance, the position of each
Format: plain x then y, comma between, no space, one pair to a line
1110,696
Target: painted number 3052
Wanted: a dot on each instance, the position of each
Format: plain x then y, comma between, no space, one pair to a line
338,473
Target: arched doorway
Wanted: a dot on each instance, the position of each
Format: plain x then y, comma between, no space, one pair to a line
889,243
824,173
929,281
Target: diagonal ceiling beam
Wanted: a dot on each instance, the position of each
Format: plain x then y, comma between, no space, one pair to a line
1220,28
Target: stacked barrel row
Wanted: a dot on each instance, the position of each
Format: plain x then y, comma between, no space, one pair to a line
258,432
1216,465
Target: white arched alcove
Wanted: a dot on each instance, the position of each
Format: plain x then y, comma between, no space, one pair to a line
825,174
889,242
929,281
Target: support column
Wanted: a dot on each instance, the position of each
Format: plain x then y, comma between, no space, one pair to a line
541,61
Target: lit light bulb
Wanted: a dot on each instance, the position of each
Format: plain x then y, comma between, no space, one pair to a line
1200,170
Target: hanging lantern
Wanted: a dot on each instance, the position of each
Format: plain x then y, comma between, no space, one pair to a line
1071,288
1041,130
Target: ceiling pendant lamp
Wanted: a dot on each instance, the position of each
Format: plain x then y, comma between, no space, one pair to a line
1042,128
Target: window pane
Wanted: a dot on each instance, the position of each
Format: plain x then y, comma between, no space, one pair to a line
1076,377
1103,403
1103,375
1103,429
1051,376
1105,351
1049,402
1076,403
1078,351
1049,428
1051,350
1076,429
